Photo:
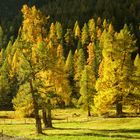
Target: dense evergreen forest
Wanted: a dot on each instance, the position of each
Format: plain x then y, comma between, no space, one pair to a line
76,53
118,12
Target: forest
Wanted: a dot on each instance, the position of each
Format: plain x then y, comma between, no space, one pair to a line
60,54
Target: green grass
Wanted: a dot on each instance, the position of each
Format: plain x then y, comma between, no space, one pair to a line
69,127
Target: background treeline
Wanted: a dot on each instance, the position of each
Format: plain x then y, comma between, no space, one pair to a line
67,12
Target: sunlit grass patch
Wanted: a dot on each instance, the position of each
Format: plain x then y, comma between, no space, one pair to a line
68,126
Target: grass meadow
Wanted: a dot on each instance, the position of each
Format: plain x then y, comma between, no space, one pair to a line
72,124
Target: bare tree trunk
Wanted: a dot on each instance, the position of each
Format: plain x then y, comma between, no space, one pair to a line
36,110
89,113
119,111
44,115
49,115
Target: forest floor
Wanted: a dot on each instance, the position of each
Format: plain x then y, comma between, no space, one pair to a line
71,124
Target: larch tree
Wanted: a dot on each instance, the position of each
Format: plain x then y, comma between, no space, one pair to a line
47,93
134,98
91,29
85,35
114,83
69,69
4,82
53,85
98,33
69,41
8,81
105,98
99,21
75,25
92,59
61,82
59,32
79,64
69,65
22,102
77,31
2,56
53,34
26,56
87,89
126,44
105,24
87,81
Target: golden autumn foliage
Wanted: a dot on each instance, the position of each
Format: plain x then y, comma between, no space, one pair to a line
32,26
114,83
91,65
77,32
90,60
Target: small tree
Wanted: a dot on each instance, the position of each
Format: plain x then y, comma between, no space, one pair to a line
79,63
85,35
23,103
87,89
91,28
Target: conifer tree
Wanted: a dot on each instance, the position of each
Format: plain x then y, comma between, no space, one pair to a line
23,103
59,31
114,84
53,34
94,57
26,55
33,19
126,44
105,24
2,57
85,35
88,80
69,65
79,63
91,55
111,28
8,80
87,89
4,89
60,56
69,69
76,30
75,25
54,87
91,28
69,41
98,33
61,82
47,93
99,21
134,97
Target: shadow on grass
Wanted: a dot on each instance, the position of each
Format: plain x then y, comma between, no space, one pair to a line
119,133
5,117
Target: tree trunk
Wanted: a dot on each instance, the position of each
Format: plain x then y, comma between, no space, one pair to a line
89,113
49,115
36,110
44,115
119,111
